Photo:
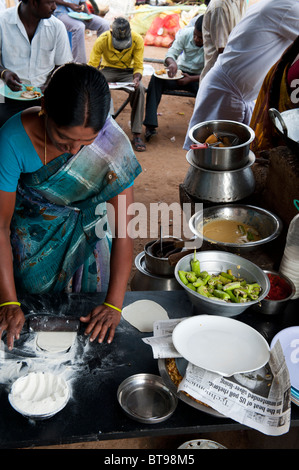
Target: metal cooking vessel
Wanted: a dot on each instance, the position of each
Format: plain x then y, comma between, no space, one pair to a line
267,224
287,125
221,158
143,280
155,265
219,186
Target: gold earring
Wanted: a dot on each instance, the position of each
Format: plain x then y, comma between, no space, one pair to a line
41,113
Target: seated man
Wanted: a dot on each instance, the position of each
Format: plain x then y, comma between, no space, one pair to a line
77,27
186,54
119,55
32,44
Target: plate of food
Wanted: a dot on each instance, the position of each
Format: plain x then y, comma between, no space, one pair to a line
28,92
80,15
162,73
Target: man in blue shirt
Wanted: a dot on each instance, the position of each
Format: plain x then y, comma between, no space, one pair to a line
185,54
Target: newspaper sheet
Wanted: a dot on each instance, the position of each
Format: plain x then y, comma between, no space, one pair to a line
121,86
259,399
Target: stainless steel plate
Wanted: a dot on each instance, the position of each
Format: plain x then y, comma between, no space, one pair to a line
181,365
201,444
145,398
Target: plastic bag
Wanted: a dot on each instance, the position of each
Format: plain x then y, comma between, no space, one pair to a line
162,31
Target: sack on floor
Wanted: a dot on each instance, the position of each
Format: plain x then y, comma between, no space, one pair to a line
162,31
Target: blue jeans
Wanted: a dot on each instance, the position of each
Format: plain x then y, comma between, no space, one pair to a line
77,28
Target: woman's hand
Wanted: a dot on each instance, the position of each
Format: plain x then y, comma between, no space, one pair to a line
100,320
12,320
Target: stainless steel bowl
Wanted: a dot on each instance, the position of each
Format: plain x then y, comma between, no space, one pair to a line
219,186
221,158
215,262
267,224
275,307
145,398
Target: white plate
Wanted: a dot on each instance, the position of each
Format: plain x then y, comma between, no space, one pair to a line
220,344
165,76
289,340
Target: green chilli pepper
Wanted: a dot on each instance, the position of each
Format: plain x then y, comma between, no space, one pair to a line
195,265
182,275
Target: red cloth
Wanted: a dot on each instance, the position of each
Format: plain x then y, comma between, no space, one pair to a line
293,72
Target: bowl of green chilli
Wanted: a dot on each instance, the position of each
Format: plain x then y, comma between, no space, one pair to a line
235,227
221,283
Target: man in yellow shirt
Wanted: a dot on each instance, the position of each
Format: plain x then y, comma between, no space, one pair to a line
119,55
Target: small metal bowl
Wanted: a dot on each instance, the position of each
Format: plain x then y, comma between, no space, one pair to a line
215,262
274,307
267,224
145,398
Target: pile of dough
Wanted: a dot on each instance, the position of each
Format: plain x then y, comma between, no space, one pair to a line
143,313
55,341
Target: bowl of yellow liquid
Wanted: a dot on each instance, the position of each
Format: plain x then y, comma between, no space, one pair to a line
236,227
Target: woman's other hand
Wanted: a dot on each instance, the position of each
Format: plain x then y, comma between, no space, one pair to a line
101,320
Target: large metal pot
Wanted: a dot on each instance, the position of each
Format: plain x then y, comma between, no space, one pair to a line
219,186
221,158
287,126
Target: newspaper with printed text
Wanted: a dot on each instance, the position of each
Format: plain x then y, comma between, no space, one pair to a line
259,399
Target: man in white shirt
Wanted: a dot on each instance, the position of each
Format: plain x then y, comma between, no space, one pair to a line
230,87
32,44
220,17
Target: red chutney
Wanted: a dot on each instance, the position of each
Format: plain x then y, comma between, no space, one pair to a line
279,288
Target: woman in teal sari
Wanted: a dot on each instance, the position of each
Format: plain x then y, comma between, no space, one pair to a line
59,166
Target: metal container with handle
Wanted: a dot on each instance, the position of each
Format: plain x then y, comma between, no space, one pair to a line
286,124
216,157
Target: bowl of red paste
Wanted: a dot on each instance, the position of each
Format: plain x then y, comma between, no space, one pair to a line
281,292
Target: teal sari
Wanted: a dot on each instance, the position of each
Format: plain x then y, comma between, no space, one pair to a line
54,236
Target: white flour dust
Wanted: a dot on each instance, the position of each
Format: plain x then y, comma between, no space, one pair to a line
35,378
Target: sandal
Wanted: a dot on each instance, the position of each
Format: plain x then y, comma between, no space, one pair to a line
149,133
138,144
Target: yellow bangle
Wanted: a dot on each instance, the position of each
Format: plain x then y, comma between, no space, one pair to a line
108,305
2,73
10,303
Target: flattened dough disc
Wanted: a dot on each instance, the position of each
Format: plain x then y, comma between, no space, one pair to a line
55,341
143,313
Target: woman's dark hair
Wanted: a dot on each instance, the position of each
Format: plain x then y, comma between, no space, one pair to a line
77,95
